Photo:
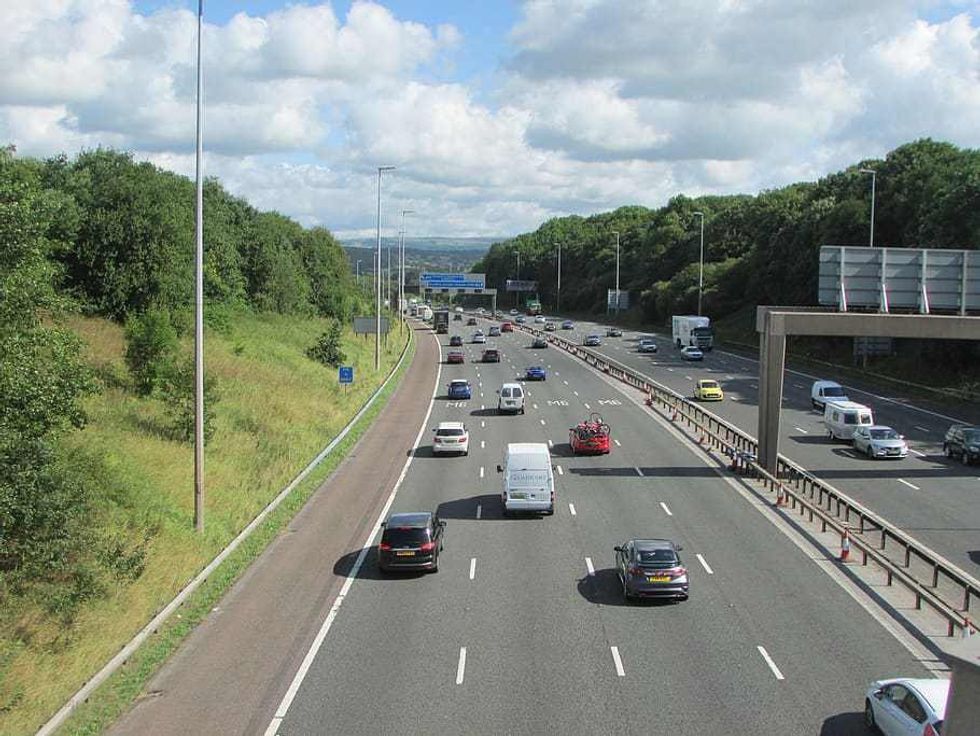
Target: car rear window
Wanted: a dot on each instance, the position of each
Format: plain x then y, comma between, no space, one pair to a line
397,536
518,393
449,432
656,557
833,391
505,392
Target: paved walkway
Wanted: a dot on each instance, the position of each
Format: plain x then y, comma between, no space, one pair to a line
231,673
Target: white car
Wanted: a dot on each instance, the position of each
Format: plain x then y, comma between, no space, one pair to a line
903,706
513,311
458,310
691,353
879,441
539,320
479,338
451,437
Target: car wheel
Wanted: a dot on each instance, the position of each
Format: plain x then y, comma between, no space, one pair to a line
830,435
522,410
871,455
964,458
626,594
869,717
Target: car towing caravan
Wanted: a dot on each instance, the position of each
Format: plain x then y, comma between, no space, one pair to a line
529,482
842,417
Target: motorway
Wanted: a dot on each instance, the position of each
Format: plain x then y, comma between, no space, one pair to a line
523,630
933,498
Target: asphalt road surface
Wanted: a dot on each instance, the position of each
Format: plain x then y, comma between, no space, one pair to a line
933,498
524,631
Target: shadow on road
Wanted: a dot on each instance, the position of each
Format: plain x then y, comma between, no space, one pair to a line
490,509
604,589
844,724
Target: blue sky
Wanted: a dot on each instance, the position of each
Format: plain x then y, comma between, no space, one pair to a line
498,115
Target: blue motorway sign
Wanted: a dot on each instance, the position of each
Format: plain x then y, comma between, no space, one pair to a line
347,374
431,280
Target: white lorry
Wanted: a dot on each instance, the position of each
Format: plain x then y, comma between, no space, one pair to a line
529,483
691,330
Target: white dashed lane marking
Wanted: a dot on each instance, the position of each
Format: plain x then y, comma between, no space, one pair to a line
705,565
481,471
617,443
571,509
638,471
800,429
472,568
666,510
617,661
588,566
772,665
479,510
560,471
461,666
913,487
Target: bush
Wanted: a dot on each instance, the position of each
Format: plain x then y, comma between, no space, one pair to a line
151,343
327,349
177,392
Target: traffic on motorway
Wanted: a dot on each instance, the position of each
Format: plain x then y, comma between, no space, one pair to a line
533,547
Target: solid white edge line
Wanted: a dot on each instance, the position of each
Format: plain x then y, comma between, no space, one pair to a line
293,689
772,665
472,567
571,509
704,564
910,485
461,666
666,510
617,661
588,566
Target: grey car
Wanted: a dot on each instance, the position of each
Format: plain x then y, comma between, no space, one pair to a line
592,341
962,441
646,346
880,441
651,568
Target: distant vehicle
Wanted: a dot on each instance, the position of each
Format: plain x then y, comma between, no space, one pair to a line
425,312
823,391
692,330
479,338
455,356
592,341
903,706
457,318
568,325
706,389
481,310
471,322
692,353
495,331
451,437
455,341
549,326
513,312
510,398
646,345
540,320
539,342
613,332
842,417
533,307
529,482
440,320
520,319
506,327
651,568
411,542
535,373
459,388
590,437
962,441
458,310
491,355
879,441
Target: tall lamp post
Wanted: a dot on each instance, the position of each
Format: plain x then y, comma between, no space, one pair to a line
401,266
377,279
199,291
558,294
616,233
871,236
701,262
357,270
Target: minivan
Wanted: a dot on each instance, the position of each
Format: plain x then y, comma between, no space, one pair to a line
842,417
510,398
529,482
824,391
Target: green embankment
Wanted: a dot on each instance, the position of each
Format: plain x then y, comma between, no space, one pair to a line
276,410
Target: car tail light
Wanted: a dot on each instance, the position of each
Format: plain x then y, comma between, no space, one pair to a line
930,731
385,547
427,546
677,572
636,571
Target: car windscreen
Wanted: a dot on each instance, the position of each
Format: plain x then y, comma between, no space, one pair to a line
404,536
453,432
884,434
971,435
517,392
459,384
709,384
660,558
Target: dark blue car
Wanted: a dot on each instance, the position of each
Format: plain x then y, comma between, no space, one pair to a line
535,373
459,388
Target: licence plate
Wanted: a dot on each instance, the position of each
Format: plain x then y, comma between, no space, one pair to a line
518,495
404,554
658,579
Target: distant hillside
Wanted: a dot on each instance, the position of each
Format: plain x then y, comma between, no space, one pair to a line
417,257
476,245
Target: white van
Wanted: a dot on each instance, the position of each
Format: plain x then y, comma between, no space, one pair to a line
510,397
529,483
824,391
843,417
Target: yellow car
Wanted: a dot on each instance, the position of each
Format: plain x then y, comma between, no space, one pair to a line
708,390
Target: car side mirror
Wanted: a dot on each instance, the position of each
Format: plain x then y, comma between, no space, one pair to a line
442,524
500,469
879,694
384,524
617,548
679,548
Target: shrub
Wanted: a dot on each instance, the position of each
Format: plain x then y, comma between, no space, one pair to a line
151,343
327,349
177,392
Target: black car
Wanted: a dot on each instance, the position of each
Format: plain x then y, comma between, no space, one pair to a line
491,355
411,542
962,441
471,322
613,332
457,317
651,568
539,342
455,341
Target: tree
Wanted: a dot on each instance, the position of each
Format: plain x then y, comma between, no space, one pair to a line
151,344
328,348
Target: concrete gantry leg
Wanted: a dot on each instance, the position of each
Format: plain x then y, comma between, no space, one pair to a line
963,709
772,357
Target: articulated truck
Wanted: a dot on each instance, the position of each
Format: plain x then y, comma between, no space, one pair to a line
693,330
440,320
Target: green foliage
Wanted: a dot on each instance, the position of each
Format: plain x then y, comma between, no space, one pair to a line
177,392
151,344
327,349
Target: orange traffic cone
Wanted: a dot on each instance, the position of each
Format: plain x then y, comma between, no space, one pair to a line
780,495
845,545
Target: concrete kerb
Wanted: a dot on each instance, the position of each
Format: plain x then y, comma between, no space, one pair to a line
90,686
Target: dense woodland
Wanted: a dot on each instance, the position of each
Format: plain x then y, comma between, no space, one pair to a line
108,236
759,249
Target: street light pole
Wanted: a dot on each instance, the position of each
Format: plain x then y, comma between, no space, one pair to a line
558,294
377,279
871,237
401,266
701,261
199,291
616,233
357,270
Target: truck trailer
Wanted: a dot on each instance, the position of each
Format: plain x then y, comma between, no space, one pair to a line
693,330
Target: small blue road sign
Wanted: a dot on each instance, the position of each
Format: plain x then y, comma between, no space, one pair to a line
347,374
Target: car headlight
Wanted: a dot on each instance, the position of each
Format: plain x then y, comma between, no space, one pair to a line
973,448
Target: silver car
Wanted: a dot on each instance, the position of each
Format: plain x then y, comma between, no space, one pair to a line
646,346
879,441
651,568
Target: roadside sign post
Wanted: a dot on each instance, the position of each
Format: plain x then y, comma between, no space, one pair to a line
346,376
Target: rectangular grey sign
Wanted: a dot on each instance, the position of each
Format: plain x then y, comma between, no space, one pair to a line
366,325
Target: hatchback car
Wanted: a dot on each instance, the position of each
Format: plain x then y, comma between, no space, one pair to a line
491,355
459,388
962,441
879,441
691,353
455,356
707,389
411,541
494,331
479,337
592,341
568,325
903,706
535,373
520,319
471,322
646,345
451,437
613,332
549,327
539,342
506,327
539,320
455,341
651,568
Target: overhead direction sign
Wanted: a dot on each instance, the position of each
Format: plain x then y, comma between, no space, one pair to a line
430,280
516,285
